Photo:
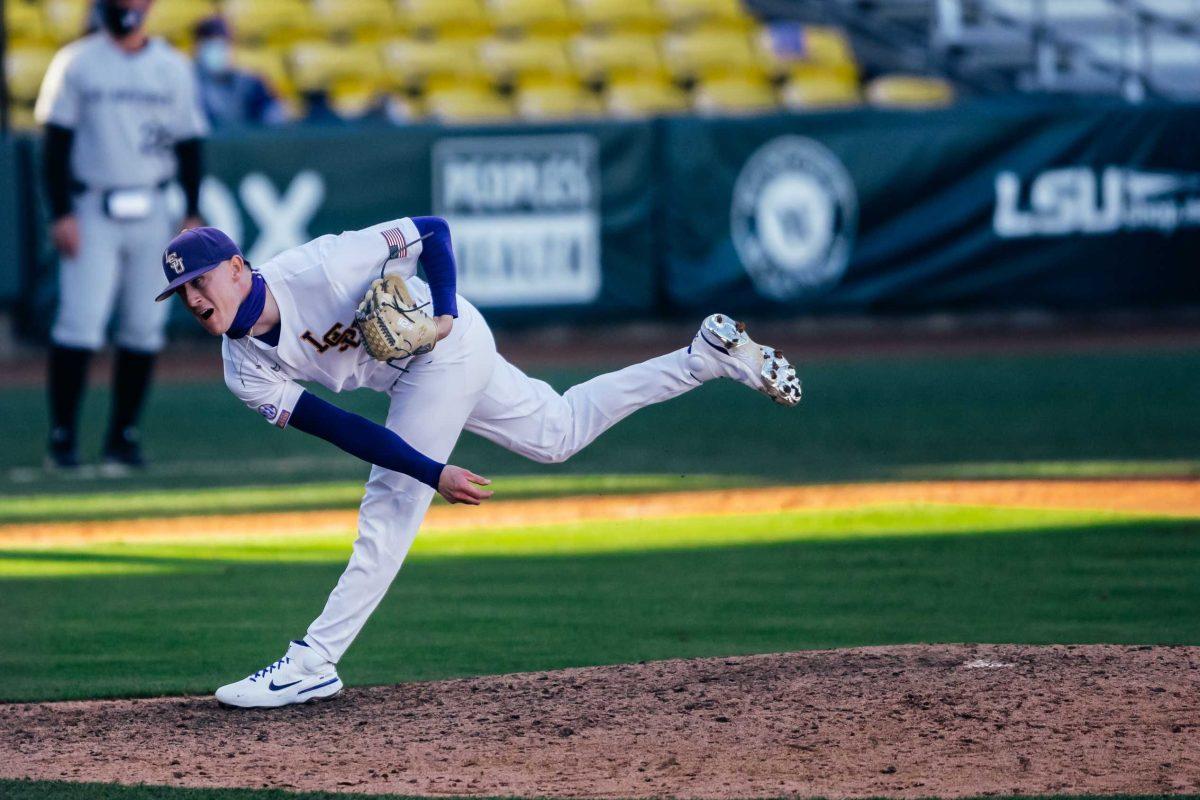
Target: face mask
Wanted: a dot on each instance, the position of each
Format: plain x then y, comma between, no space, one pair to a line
118,21
213,56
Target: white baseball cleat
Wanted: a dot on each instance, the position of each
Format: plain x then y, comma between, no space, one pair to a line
301,676
723,349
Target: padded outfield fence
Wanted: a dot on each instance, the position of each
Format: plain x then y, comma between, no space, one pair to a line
980,206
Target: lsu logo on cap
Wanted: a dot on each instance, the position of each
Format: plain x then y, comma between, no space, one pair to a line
175,263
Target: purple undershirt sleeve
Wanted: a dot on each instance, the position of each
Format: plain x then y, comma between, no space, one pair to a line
437,257
362,438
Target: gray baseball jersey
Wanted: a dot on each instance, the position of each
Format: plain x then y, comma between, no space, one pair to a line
127,109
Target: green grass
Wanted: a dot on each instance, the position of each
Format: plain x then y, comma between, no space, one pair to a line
150,618
54,790
186,617
860,420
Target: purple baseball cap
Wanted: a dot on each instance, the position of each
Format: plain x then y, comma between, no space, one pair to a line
195,252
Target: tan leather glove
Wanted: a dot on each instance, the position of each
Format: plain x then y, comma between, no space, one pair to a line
391,323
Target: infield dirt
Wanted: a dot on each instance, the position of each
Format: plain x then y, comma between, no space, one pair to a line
911,721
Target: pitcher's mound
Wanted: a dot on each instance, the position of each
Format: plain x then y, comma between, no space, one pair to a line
900,721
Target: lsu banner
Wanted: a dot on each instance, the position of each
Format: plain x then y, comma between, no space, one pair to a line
968,208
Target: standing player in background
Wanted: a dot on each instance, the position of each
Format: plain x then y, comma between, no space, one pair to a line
298,318
122,121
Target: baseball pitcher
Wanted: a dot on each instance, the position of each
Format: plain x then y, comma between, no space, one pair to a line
348,312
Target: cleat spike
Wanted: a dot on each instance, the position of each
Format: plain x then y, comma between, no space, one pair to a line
723,349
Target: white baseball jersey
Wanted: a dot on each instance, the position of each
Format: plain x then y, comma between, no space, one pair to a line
127,109
318,287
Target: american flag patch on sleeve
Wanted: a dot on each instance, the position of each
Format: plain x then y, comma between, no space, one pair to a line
397,247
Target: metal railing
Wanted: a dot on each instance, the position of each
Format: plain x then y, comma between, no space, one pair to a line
1054,48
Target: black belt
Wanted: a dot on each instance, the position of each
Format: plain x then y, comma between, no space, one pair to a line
78,187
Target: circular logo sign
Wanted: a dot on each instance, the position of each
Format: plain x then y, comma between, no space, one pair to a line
793,218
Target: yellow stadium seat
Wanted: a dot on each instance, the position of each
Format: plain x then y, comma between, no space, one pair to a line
728,13
709,53
174,19
353,99
20,117
827,45
411,63
910,91
844,73
26,66
556,99
401,108
24,21
279,21
512,59
531,16
630,16
643,97
366,19
806,93
269,63
468,103
734,95
615,56
319,63
66,19
447,18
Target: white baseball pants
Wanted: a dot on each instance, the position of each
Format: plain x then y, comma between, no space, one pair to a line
119,265
469,385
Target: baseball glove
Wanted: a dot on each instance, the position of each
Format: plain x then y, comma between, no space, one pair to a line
392,325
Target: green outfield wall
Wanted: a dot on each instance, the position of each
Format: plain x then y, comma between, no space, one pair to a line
12,259
982,206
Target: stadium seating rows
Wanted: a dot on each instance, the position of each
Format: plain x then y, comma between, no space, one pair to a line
483,60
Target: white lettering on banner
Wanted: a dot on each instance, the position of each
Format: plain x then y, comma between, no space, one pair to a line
479,185
524,214
1080,200
508,260
282,221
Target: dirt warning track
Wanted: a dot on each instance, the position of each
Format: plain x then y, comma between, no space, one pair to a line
912,721
1157,497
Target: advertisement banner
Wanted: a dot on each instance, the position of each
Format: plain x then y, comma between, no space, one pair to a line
981,206
966,208
542,219
525,212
